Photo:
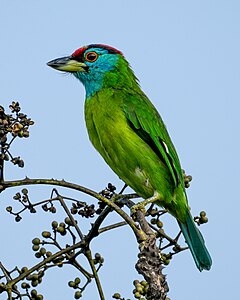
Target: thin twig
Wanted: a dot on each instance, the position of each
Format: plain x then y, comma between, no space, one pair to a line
69,214
88,254
140,235
113,226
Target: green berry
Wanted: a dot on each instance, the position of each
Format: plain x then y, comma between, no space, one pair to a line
101,260
145,290
24,191
54,224
204,219
167,262
116,296
97,256
135,282
33,293
139,289
159,224
38,255
36,241
78,295
43,251
144,283
48,253
77,280
68,221
24,269
34,283
137,295
34,277
63,233
62,225
52,209
153,221
71,284
17,196
9,208
35,247
74,211
25,285
18,218
46,234
61,229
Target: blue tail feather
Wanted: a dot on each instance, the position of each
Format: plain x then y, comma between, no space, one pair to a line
196,244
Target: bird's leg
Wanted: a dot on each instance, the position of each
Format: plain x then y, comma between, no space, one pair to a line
141,205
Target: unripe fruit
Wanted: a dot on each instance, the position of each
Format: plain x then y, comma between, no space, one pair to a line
43,251
77,280
78,295
25,285
24,269
34,283
33,293
46,234
38,255
36,241
153,221
144,283
35,247
54,224
68,221
48,253
159,224
61,229
137,295
71,284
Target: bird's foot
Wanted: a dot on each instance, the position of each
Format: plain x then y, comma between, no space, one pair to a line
141,205
137,207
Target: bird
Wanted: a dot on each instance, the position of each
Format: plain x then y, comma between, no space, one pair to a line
129,133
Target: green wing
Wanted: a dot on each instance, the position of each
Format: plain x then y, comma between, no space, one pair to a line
147,123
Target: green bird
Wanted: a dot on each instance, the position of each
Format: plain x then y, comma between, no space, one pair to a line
126,129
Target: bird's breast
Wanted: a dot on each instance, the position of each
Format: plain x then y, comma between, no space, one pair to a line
124,151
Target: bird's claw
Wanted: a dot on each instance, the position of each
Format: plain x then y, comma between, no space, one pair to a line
137,207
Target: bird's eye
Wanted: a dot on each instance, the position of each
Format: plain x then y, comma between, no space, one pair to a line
91,56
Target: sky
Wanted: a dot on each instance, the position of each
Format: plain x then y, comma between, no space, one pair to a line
186,56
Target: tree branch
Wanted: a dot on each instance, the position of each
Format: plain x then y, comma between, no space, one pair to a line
149,263
140,235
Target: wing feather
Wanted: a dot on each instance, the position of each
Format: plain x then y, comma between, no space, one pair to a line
147,123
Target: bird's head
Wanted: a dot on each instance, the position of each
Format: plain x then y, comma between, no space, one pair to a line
96,66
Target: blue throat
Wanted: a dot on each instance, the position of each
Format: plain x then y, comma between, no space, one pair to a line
93,79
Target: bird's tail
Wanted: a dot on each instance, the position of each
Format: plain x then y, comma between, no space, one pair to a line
196,244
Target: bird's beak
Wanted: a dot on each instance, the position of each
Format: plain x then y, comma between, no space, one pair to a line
67,64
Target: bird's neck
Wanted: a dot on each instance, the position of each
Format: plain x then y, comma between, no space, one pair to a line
119,77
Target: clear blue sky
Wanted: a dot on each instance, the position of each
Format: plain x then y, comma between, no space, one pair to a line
186,56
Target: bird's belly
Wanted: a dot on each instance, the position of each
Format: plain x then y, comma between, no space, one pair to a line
131,158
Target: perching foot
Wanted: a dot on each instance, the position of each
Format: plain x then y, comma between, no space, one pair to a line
141,205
